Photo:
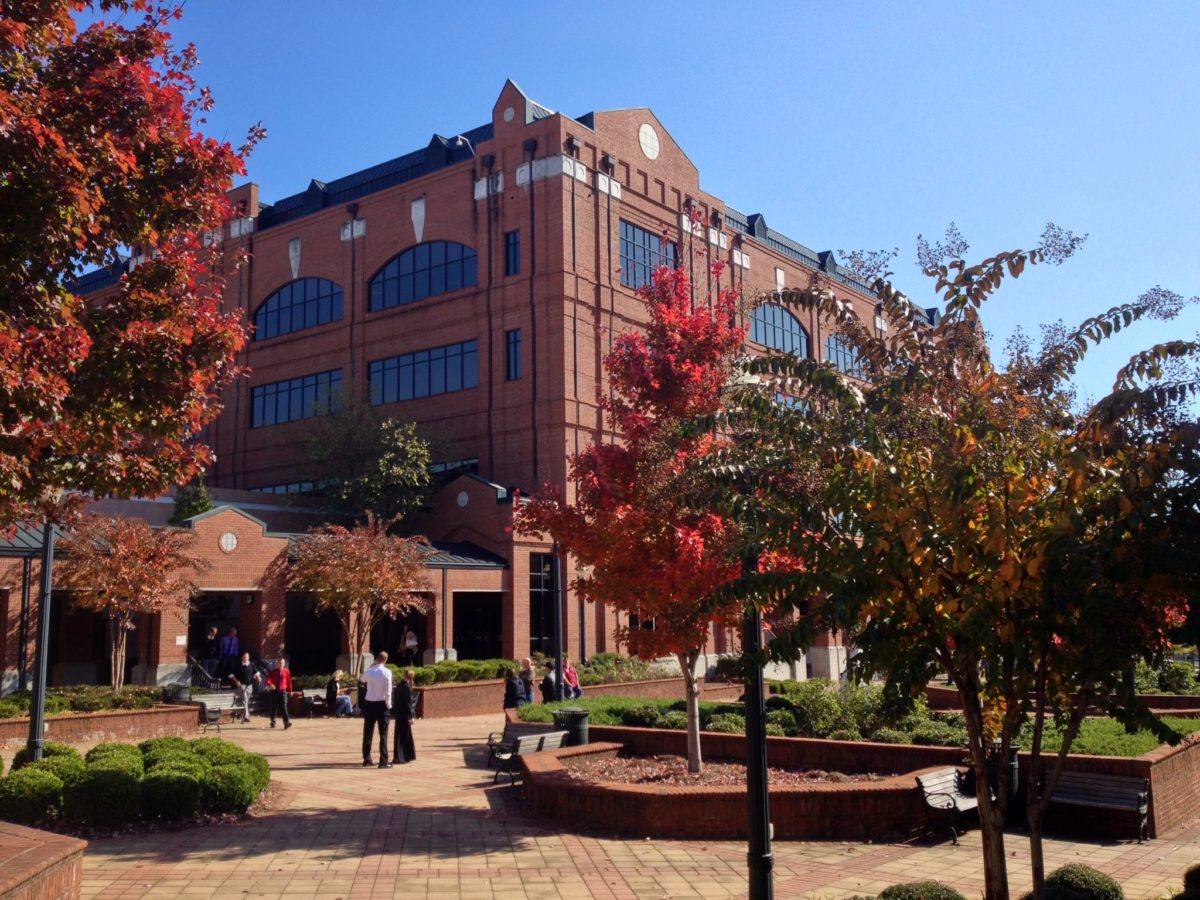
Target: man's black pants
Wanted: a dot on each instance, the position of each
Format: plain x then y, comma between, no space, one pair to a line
375,711
279,702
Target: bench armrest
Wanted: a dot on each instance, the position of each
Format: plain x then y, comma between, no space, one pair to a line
940,800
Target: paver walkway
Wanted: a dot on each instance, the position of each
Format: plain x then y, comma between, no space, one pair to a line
437,828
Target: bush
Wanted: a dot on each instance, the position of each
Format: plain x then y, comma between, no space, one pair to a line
1145,678
641,716
784,721
845,734
920,890
310,682
171,794
218,752
674,719
195,766
229,789
133,700
29,795
1079,882
818,713
727,723
104,797
50,748
938,734
86,703
68,769
258,764
11,710
774,730
891,736
117,756
424,675
1179,678
56,704
1191,879
154,745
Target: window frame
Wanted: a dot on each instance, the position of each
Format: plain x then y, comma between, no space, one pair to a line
421,272
641,252
412,376
512,355
295,399
273,309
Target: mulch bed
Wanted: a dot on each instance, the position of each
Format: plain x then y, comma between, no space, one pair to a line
672,770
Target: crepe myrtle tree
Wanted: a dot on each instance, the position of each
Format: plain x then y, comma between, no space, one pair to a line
361,574
972,521
643,525
121,568
100,150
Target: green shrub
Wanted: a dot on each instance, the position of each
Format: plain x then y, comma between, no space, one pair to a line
310,682
920,890
229,789
50,748
217,751
774,730
860,707
86,703
11,710
114,755
1145,678
127,699
424,675
1191,878
258,764
170,756
171,794
727,723
29,795
641,716
675,719
55,705
818,713
154,745
68,769
935,733
195,766
784,720
1079,882
104,797
845,734
891,736
1179,678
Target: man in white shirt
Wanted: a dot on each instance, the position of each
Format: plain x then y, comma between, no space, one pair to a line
375,704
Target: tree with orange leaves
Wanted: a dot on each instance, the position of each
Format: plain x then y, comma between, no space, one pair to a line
643,526
121,567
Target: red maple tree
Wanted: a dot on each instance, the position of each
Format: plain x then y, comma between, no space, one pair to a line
99,152
122,567
644,538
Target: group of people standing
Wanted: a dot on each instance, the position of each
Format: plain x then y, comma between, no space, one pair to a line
247,680
219,655
518,686
381,701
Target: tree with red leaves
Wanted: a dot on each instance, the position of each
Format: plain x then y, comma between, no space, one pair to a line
361,574
122,567
642,529
98,152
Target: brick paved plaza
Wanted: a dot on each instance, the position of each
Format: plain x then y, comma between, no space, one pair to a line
437,828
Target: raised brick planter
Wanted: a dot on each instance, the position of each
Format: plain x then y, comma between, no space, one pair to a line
131,725
477,698
858,811
946,698
37,865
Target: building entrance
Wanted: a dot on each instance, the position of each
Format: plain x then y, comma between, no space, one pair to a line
312,637
477,625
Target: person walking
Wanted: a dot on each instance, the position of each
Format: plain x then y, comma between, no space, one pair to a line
409,645
376,702
514,690
404,750
243,678
279,683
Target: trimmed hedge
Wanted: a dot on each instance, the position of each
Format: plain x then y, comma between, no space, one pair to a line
29,795
229,788
68,769
1079,882
920,890
171,794
104,797
49,748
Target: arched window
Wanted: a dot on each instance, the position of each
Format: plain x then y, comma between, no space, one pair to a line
773,326
844,357
305,303
425,270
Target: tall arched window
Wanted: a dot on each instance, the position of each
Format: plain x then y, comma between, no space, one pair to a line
773,326
425,270
300,304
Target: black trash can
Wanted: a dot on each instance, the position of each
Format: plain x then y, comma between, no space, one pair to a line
574,721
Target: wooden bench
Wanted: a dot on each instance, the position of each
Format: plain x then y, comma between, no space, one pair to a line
210,717
503,741
524,745
1098,791
946,802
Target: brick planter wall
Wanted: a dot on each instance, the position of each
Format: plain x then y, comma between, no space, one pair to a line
869,810
131,725
477,698
37,865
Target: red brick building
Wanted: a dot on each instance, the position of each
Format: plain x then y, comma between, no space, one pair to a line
473,286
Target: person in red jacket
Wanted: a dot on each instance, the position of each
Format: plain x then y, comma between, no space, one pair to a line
279,683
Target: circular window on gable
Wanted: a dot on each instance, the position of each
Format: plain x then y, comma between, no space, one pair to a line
227,542
648,138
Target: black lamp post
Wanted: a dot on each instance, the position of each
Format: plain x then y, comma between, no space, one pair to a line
761,860
37,706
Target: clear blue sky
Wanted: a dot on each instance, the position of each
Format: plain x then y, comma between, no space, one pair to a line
847,125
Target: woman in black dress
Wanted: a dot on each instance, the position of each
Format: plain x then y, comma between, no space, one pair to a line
404,750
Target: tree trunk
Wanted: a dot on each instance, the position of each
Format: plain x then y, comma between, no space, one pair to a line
687,662
117,635
991,814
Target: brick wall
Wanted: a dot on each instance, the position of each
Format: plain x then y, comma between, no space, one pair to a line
874,810
37,865
119,725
